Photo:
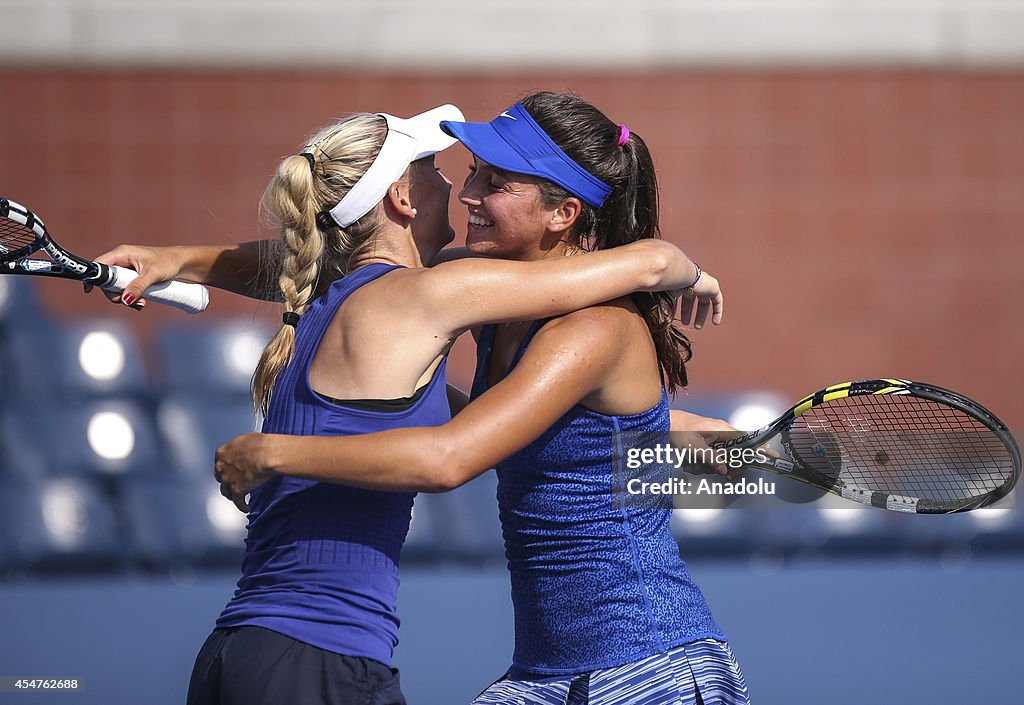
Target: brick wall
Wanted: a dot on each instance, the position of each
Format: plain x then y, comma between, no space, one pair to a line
863,222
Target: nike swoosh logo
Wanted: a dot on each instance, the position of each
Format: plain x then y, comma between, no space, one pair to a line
505,114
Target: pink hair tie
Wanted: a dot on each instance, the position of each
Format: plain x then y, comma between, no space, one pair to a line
623,135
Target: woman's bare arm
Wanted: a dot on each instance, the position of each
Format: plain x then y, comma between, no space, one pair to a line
460,294
564,362
243,268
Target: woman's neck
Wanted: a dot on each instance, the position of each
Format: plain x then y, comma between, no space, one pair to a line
552,250
392,245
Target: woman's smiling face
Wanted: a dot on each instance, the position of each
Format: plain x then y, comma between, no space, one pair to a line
507,216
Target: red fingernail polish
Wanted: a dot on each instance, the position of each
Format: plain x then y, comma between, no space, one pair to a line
127,299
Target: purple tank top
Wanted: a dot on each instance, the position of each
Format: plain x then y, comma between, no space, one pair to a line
321,560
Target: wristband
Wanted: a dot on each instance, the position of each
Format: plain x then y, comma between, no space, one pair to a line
696,279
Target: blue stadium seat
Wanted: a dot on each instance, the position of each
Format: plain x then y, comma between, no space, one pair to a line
19,302
77,361
427,540
20,312
105,438
982,530
193,428
180,520
711,532
7,555
467,520
998,529
20,458
58,525
211,360
830,526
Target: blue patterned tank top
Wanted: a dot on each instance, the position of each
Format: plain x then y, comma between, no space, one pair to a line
595,584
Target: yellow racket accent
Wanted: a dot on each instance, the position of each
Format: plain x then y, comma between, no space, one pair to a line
838,391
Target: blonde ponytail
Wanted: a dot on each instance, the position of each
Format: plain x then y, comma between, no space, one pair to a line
316,250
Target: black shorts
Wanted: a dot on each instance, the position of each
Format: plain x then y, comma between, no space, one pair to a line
257,666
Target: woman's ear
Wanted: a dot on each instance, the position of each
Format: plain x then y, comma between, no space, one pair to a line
565,214
397,200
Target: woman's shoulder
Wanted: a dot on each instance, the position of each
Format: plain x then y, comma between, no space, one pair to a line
615,316
377,277
375,295
613,343
603,328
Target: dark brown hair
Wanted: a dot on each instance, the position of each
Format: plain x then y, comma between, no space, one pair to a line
629,213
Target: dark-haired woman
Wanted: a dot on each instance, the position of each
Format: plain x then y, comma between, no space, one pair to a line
605,610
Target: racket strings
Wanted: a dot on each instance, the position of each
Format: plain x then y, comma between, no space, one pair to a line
902,445
14,237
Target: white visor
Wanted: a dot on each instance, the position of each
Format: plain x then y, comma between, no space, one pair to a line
407,140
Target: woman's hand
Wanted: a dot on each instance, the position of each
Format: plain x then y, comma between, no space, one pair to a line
698,444
153,264
706,296
701,432
241,465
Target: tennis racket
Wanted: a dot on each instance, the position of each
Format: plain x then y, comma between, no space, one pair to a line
893,444
22,234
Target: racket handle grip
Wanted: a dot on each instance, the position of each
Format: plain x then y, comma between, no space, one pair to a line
190,298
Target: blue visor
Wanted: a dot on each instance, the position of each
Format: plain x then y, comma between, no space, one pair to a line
514,141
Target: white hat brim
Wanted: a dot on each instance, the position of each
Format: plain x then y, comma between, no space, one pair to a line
425,129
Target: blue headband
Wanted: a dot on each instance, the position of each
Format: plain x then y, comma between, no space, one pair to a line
514,141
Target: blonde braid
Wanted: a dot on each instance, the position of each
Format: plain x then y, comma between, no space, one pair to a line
298,192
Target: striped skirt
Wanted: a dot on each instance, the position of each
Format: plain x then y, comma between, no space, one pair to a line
703,672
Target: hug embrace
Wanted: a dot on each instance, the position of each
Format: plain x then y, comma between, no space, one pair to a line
572,299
